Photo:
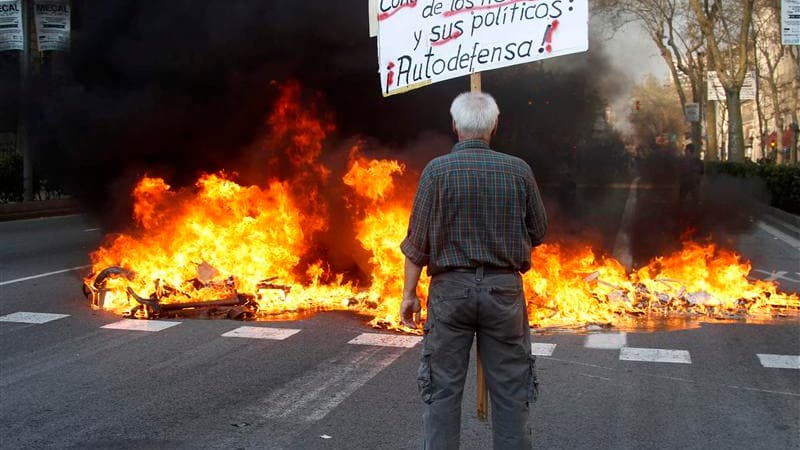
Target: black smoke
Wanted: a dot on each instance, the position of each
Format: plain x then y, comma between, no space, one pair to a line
179,88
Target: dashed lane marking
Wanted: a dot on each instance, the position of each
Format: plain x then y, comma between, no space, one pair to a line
542,349
386,340
33,277
262,333
31,317
140,325
779,361
611,341
654,355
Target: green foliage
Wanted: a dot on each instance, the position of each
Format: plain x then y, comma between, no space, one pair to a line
10,177
783,182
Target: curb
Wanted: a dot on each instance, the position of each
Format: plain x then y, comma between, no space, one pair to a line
40,208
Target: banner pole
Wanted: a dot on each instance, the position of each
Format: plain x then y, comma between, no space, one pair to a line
482,401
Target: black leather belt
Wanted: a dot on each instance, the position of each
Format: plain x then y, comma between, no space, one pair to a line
483,269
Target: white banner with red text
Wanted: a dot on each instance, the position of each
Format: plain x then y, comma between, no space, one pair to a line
425,41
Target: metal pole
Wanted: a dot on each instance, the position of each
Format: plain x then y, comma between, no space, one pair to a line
22,118
482,401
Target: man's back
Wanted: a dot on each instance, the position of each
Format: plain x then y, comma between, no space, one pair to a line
481,212
475,217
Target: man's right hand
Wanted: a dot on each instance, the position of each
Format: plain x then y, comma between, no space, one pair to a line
409,310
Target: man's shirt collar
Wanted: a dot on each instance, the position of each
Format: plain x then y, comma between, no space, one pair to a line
471,144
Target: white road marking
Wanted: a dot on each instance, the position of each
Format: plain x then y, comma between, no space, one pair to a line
654,355
386,340
312,396
606,340
31,317
542,349
91,229
780,235
595,376
622,244
140,325
784,224
779,361
32,277
775,276
262,333
779,275
42,219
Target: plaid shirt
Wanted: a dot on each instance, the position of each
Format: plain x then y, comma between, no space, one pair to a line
475,207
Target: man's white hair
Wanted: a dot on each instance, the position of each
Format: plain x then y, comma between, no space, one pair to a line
475,114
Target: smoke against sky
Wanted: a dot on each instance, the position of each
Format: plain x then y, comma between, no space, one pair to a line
176,89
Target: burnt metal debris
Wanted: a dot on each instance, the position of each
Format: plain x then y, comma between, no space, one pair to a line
234,305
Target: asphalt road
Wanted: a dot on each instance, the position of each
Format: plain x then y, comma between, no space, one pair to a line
69,383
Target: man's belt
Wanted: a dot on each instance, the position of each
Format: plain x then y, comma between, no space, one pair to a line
483,270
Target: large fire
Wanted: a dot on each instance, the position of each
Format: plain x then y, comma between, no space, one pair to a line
258,245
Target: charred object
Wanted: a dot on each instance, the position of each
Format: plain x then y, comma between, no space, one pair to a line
161,302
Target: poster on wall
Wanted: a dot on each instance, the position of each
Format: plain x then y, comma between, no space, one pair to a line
11,36
52,25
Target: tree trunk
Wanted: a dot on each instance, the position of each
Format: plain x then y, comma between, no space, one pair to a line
697,128
712,148
762,127
793,150
735,131
779,159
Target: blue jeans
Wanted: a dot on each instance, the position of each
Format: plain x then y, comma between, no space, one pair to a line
492,306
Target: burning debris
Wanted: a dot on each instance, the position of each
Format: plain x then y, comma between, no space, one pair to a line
166,300
250,252
699,281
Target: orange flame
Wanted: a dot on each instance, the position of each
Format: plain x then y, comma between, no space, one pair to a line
220,238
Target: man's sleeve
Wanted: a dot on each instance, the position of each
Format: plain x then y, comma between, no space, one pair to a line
535,216
416,245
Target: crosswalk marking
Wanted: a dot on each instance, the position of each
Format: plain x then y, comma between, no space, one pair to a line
542,349
386,340
261,333
654,355
594,341
31,317
779,361
312,396
606,340
140,325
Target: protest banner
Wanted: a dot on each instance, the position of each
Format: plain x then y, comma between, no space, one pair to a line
426,41
11,35
52,25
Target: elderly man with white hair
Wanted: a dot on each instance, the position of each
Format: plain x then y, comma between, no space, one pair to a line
477,214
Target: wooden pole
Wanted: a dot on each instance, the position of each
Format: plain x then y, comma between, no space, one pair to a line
482,401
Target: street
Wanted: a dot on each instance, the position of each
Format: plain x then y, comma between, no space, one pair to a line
89,379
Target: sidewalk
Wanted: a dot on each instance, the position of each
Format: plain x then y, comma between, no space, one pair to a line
40,208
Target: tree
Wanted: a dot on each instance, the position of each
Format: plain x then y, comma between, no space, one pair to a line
674,30
769,52
658,115
726,28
